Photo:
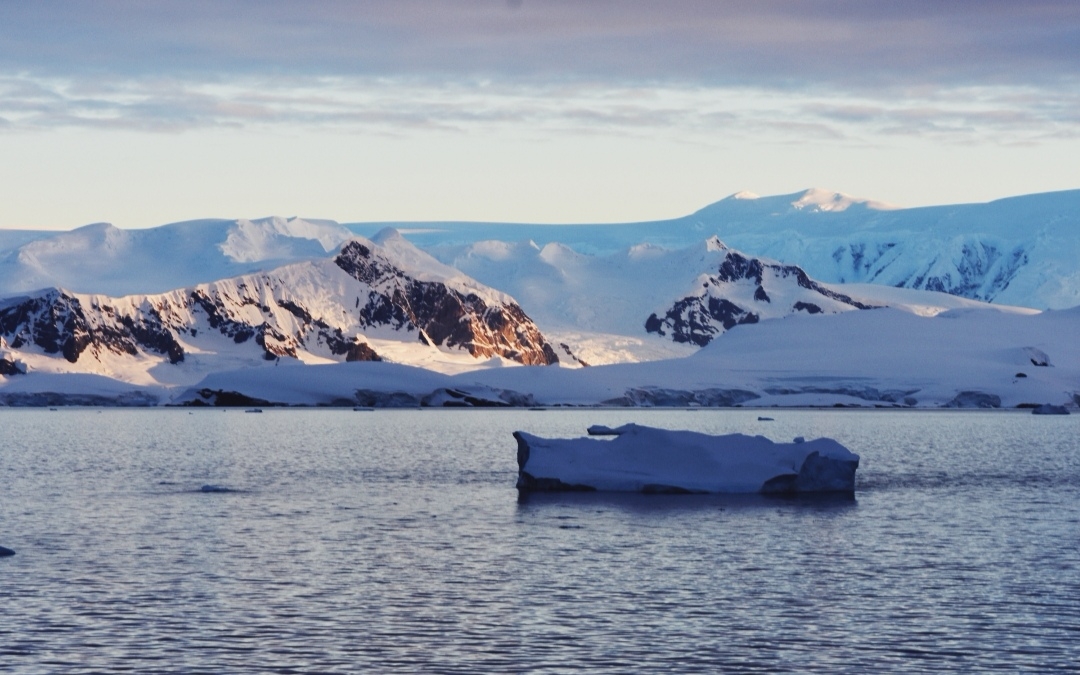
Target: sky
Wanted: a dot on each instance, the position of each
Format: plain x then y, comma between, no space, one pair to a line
144,113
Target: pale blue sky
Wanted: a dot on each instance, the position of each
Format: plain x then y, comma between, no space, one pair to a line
559,111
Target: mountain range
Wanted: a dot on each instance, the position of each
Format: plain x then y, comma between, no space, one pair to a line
201,306
1017,251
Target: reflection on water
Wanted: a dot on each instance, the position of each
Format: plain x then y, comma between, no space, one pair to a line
334,541
653,504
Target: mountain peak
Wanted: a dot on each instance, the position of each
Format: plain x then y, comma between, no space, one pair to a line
713,243
387,234
811,200
822,200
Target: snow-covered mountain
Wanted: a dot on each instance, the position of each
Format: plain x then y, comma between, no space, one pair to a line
385,299
1017,251
373,300
104,259
962,358
745,290
645,302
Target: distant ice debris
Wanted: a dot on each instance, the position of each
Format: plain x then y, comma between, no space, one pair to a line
215,488
1049,409
650,460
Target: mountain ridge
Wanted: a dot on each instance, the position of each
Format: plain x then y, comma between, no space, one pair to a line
343,308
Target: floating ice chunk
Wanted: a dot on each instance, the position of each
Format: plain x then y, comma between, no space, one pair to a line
644,459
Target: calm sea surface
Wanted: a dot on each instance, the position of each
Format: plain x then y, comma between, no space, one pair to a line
395,541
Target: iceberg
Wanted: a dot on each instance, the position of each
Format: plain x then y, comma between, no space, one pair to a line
645,459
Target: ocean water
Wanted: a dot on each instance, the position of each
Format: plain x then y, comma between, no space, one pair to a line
394,541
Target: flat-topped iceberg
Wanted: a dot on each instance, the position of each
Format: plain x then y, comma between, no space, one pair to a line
645,459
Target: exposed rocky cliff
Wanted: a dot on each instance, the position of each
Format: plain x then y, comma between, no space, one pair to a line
483,323
317,311
744,290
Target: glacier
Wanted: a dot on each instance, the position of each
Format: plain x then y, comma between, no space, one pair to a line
1016,251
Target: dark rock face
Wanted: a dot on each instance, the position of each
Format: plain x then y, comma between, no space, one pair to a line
974,399
9,367
477,397
361,351
569,352
263,313
865,393
442,315
370,398
226,399
695,319
698,319
677,398
41,399
58,323
481,397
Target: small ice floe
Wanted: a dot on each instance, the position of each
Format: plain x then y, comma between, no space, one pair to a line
1049,409
5,552
215,488
645,459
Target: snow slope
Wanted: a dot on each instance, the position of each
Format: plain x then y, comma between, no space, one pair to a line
598,305
1018,251
104,259
881,357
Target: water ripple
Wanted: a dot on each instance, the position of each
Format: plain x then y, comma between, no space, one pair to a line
395,542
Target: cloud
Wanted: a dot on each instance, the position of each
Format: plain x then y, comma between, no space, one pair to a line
400,107
829,71
764,43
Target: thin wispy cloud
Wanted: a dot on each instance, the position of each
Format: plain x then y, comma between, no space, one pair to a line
386,105
599,66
